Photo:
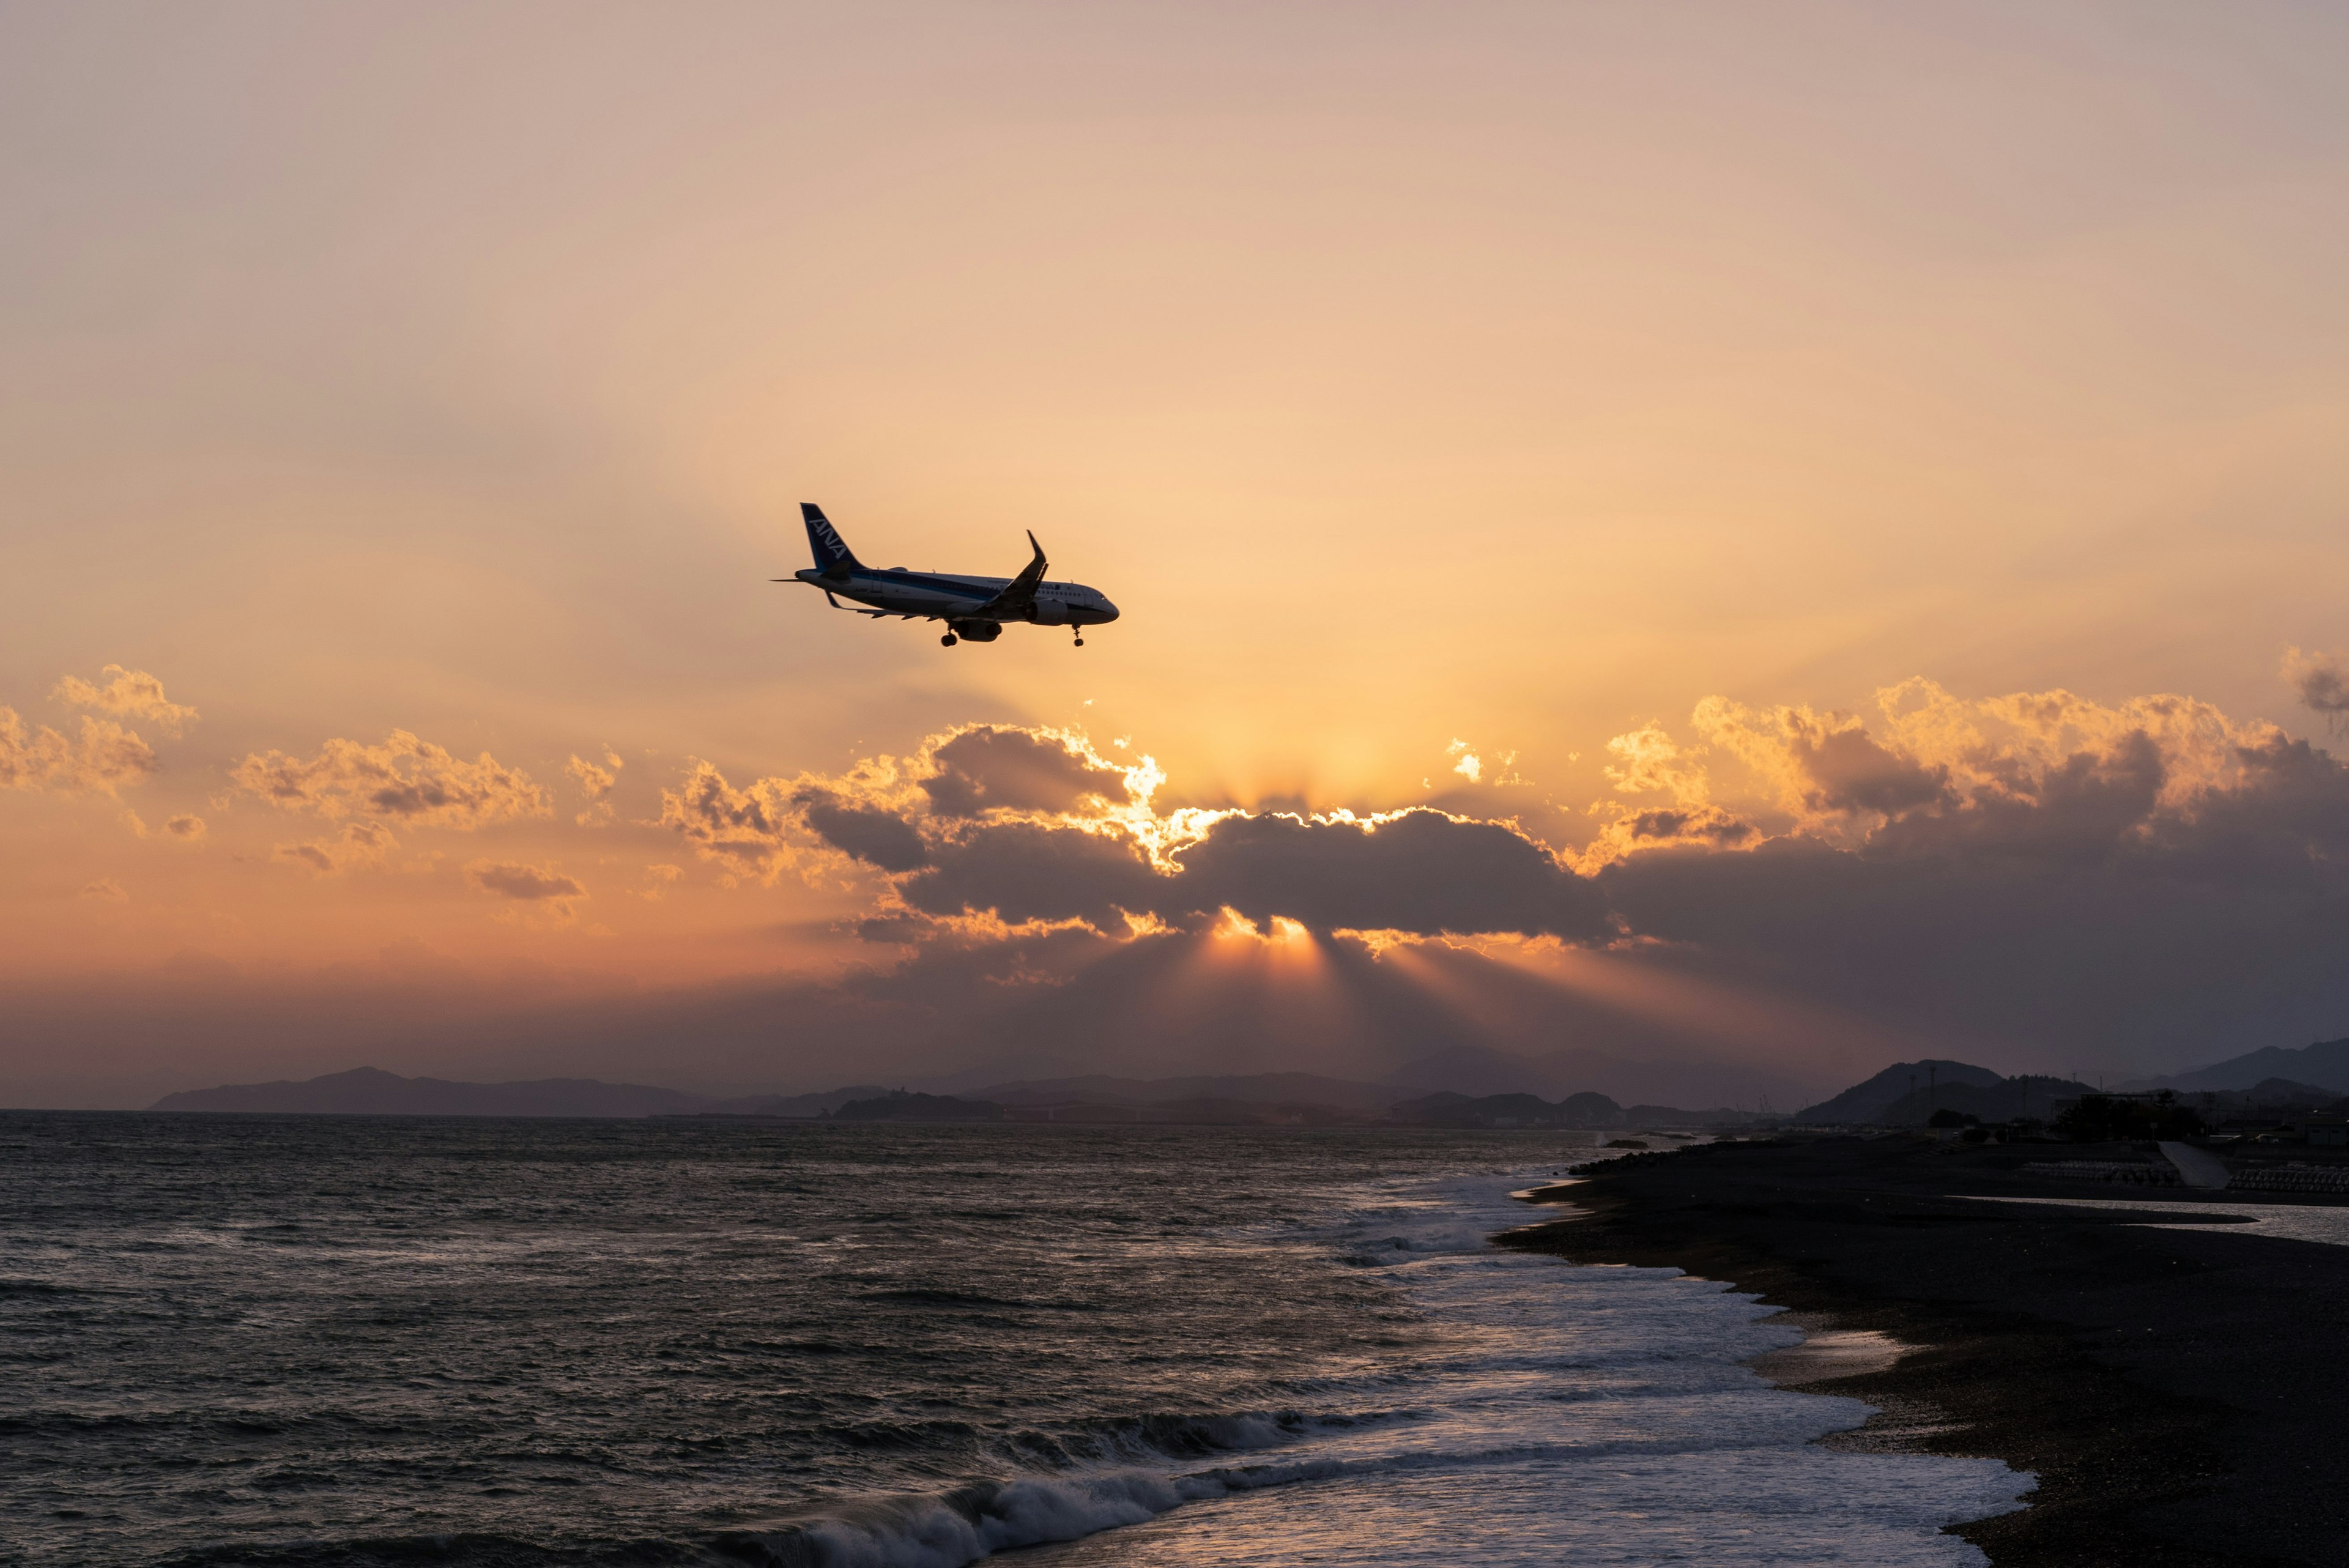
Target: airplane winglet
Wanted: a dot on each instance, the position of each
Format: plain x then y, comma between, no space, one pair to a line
1018,598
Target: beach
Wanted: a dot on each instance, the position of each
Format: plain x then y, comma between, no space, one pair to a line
2175,1391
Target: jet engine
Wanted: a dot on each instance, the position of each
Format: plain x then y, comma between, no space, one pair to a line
1049,612
975,630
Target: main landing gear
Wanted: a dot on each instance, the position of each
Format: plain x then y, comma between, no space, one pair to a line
949,640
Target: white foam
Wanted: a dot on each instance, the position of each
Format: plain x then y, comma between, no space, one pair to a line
958,1528
1596,1414
1558,1412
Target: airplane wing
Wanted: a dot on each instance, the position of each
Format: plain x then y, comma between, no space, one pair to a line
1019,596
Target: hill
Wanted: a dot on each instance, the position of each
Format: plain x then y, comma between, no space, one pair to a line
2325,1064
2025,1098
1867,1103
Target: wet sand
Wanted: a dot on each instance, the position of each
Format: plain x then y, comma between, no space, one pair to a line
2178,1393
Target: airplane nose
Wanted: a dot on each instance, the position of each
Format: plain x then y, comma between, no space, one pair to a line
1108,612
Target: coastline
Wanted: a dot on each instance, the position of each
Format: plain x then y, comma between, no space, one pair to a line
2170,1389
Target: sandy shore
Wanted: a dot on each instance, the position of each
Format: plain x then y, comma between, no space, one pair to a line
2178,1393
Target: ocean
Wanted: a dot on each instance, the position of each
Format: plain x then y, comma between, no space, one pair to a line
310,1340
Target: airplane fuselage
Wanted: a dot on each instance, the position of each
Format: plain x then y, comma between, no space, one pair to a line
936,595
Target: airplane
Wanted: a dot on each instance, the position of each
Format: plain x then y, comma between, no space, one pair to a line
974,608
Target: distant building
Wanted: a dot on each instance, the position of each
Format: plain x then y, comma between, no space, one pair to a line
2326,1132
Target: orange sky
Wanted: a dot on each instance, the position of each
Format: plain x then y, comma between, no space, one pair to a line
1420,381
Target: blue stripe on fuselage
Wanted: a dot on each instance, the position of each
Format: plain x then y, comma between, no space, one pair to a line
937,585
912,593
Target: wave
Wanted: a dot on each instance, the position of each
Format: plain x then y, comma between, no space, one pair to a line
947,1529
950,1529
1109,1439
954,1527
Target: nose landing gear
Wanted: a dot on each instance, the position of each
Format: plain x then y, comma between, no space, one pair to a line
1080,634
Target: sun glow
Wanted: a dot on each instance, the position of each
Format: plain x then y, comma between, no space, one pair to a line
1280,935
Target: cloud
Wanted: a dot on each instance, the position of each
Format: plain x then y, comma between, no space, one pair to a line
1647,761
659,879
1025,871
1705,824
1001,767
1022,826
891,813
131,693
106,890
403,780
2038,871
184,828
1849,772
1822,764
538,894
1423,872
749,831
595,782
2323,681
530,884
102,760
2029,873
1032,826
1417,871
871,834
360,844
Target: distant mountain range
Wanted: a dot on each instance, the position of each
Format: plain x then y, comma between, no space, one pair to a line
2325,1064
1473,1086
369,1091
1262,1099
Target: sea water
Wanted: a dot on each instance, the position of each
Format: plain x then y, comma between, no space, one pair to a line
355,1341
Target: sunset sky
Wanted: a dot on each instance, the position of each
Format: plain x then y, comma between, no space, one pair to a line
1836,512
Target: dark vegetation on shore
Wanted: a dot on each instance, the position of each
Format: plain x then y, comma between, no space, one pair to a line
2176,1392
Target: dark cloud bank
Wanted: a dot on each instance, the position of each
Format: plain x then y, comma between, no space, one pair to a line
2117,889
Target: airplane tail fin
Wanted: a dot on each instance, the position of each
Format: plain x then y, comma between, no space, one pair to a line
832,556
